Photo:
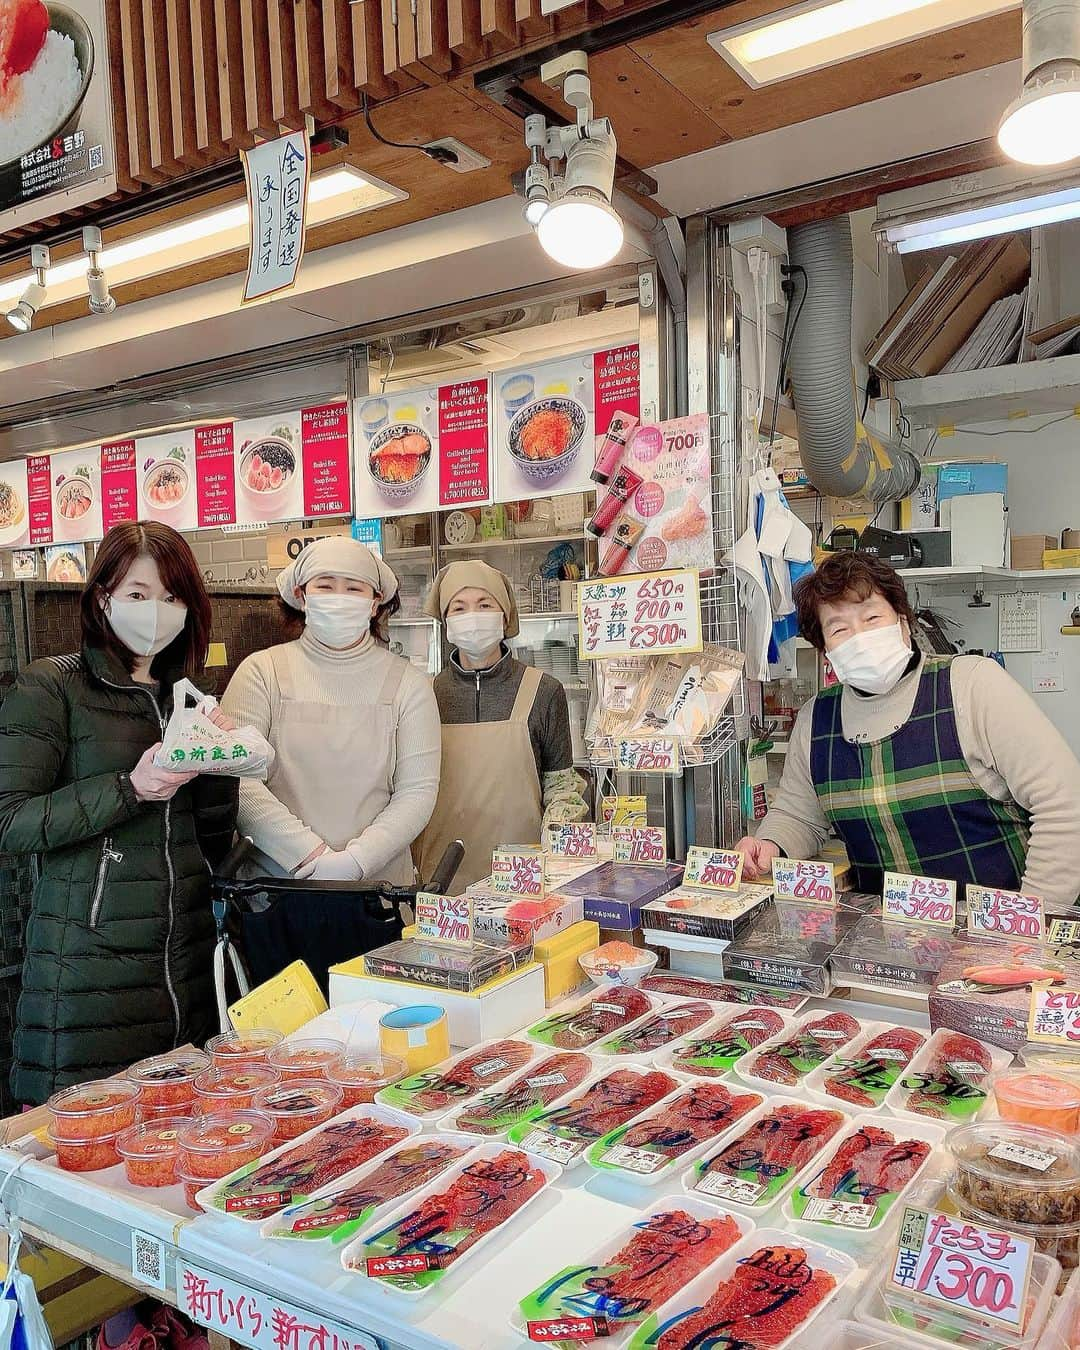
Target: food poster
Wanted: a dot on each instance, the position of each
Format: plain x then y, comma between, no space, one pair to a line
75,495
325,461
14,505
119,498
674,500
215,475
66,562
269,469
550,416
396,452
24,564
165,475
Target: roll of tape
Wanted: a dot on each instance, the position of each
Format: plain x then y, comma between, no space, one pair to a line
417,1034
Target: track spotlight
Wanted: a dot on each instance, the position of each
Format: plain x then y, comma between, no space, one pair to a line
21,316
101,302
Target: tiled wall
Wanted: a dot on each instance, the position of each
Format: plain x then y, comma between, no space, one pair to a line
232,557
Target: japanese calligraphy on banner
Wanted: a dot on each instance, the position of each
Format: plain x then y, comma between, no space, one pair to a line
1054,1016
812,882
713,869
647,615
277,174
444,918
655,754
975,1271
419,450
919,900
641,844
257,1319
518,872
1004,913
548,417
571,839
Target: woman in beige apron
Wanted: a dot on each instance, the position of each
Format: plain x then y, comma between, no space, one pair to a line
507,765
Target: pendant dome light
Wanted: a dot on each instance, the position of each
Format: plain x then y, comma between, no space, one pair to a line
1042,126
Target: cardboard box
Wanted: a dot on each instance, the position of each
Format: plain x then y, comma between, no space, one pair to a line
613,894
1026,552
705,914
502,918
1055,558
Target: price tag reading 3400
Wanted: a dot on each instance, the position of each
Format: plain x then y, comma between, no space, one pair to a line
910,899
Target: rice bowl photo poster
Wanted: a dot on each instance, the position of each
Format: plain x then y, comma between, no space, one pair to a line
549,417
14,506
397,453
165,471
75,492
269,469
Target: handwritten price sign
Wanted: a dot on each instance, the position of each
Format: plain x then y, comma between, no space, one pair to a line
972,1270
1004,913
713,869
651,614
516,872
811,882
658,755
1054,1016
444,918
919,900
572,840
644,844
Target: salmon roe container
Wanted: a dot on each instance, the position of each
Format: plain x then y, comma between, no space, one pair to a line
192,1186
169,1080
166,1112
1031,1097
306,1059
242,1047
94,1110
151,1152
361,1076
86,1155
231,1089
298,1105
213,1146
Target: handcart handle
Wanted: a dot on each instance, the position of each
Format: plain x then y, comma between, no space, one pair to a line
227,885
447,868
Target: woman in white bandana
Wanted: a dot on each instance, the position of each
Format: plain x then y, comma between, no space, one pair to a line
355,728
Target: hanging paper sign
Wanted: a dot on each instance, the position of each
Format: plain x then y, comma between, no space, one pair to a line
268,461
215,475
674,499
397,452
444,918
14,505
76,494
572,839
1054,1016
464,444
119,493
1004,913
277,174
624,811
324,434
919,900
168,485
713,869
974,1271
648,615
369,532
812,882
656,754
518,872
644,845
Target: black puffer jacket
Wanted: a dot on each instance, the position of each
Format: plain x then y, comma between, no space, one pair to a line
119,946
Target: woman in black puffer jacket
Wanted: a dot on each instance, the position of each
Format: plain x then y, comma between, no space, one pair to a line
119,946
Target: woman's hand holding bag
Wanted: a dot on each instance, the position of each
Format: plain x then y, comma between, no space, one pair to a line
203,740
154,784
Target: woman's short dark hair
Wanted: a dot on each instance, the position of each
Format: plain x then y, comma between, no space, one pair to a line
180,576
847,576
293,621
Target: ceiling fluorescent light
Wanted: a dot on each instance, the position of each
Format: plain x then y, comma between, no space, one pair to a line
982,222
818,33
334,193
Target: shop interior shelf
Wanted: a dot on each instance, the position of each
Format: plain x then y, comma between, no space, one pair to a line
992,395
576,537
996,579
417,551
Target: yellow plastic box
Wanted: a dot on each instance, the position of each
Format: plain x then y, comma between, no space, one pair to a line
559,957
1055,558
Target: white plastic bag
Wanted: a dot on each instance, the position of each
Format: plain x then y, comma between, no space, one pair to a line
192,742
22,1323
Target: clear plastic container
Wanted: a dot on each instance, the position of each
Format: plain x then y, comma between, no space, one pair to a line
948,1080
816,1040
192,1186
715,1049
432,1093
168,1080
151,1152
1016,1173
1034,1097
769,1243
582,1025
618,963
86,1155
297,1105
93,1110
546,1082
166,1112
213,1146
674,984
312,1058
1063,1329
672,1024
361,1076
233,1088
861,1076
243,1047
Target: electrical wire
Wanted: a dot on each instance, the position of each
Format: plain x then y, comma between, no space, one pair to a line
786,342
439,153
1021,431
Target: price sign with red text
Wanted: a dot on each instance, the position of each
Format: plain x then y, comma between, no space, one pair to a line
974,1271
1004,913
567,1328
812,882
444,918
713,869
657,754
644,845
517,872
1054,1016
919,900
645,615
572,839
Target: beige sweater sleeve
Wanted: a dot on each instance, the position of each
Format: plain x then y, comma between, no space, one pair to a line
1003,731
796,822
250,701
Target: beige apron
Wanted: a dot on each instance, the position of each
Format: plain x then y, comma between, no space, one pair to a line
489,791
364,736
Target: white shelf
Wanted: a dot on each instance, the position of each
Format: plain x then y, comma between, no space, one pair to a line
515,543
992,395
553,617
420,551
996,579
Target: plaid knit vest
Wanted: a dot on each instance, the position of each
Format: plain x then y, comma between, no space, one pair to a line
909,803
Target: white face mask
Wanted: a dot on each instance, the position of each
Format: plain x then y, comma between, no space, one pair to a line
145,627
475,634
338,620
872,661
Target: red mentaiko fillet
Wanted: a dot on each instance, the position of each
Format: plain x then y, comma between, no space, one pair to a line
468,1076
777,1146
767,1298
692,986
952,1085
662,1029
713,1055
610,1102
545,1081
866,1079
607,1011
870,1164
806,1049
702,1112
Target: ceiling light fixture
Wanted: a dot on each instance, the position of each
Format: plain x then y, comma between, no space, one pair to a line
1042,126
101,302
571,212
21,316
819,33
